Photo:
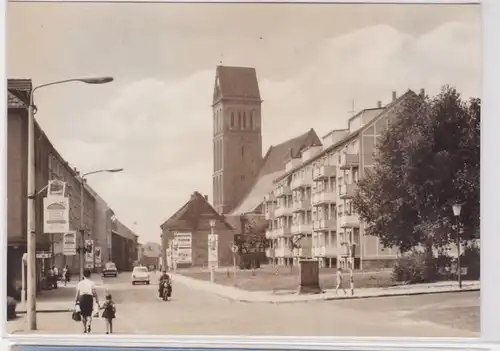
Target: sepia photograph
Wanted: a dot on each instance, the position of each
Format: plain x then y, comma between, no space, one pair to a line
243,169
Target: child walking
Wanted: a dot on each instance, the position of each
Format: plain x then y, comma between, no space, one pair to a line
109,313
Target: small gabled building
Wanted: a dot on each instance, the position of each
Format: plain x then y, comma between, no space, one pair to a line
192,223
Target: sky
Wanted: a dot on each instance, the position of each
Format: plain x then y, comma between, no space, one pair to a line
155,119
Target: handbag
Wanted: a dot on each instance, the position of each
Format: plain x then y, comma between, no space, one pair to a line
76,316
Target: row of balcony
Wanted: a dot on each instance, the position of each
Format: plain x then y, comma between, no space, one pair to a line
318,199
323,251
345,221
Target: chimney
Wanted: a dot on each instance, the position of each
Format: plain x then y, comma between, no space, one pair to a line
422,92
379,104
394,96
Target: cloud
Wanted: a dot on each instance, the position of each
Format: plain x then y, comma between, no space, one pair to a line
160,130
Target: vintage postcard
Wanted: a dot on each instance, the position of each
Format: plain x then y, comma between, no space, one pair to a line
243,169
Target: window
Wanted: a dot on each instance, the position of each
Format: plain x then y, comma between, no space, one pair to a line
242,151
250,122
232,120
239,120
244,121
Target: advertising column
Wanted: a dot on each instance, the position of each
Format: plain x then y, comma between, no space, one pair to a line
183,250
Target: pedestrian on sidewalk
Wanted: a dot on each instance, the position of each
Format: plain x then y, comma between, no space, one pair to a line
340,284
65,275
109,313
85,295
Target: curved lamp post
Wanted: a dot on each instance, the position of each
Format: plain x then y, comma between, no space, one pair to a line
31,194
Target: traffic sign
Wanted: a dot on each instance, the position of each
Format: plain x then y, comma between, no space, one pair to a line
234,249
43,254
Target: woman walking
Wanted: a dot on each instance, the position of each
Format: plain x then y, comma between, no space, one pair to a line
85,294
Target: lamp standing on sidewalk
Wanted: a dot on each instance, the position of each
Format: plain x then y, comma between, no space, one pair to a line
31,194
457,208
83,248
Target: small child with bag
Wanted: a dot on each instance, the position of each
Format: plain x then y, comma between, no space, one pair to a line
109,313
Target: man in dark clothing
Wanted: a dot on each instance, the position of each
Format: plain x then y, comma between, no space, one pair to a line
164,278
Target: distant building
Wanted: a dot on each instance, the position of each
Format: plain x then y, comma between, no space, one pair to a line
310,210
192,223
237,137
151,254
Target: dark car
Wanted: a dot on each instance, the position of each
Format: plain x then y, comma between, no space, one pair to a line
110,270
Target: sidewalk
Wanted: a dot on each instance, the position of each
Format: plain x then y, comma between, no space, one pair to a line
240,295
61,299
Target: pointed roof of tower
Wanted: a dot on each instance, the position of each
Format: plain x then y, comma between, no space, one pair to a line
236,82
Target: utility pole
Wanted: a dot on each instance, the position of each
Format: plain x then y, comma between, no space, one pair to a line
31,224
82,229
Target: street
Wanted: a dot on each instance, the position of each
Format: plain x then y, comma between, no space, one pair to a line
139,311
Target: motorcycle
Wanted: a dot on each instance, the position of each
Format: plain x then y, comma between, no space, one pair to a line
165,291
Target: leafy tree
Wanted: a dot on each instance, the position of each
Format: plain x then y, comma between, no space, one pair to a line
426,160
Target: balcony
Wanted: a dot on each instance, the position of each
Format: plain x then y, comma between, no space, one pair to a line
349,161
349,221
301,182
283,211
269,214
325,251
269,234
282,191
269,197
348,191
325,224
324,172
302,205
324,198
283,231
303,252
282,252
270,253
301,229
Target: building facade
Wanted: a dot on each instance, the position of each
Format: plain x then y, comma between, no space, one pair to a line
193,220
123,246
49,165
310,209
237,137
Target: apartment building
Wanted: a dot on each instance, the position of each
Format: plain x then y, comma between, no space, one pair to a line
310,209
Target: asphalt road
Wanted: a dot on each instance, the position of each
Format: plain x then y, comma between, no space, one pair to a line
139,311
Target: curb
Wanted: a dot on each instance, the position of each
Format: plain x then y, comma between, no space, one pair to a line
334,298
61,310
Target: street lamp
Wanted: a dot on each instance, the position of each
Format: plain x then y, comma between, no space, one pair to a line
457,208
31,194
82,224
213,254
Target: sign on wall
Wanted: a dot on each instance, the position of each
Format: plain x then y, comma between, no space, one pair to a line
69,243
55,214
89,254
183,248
97,256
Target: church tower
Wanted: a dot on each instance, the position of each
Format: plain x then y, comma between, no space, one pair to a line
237,137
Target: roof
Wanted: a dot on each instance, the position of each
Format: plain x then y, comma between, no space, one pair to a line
192,214
124,231
350,136
18,92
273,167
236,82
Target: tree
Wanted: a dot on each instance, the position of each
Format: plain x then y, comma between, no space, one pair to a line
426,160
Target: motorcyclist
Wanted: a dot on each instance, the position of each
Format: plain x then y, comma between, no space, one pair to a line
164,278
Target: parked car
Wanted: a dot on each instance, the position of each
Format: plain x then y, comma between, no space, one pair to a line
141,275
110,270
